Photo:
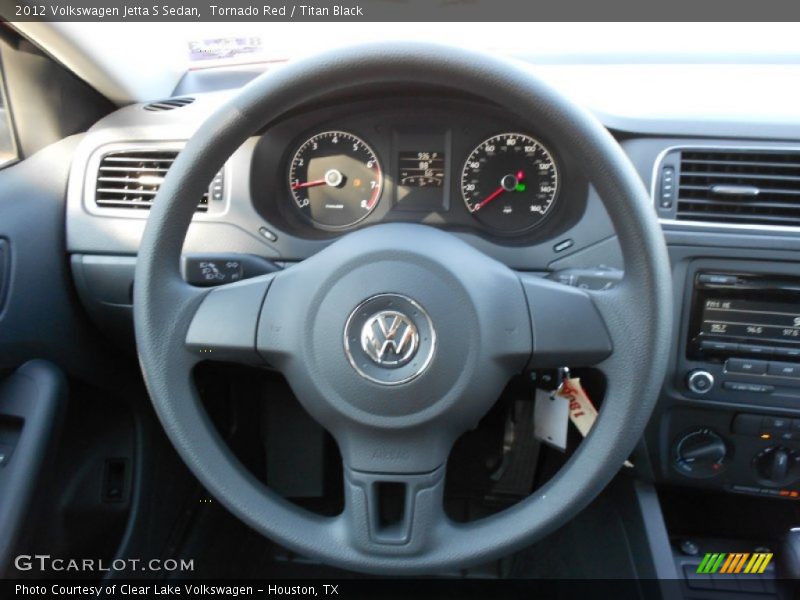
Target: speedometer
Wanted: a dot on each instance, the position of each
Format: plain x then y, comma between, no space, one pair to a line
510,182
335,179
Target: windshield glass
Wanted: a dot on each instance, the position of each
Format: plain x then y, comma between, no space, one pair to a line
213,44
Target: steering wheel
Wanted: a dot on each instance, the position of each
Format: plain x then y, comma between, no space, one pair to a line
398,338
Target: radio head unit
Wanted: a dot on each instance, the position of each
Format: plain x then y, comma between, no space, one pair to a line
738,314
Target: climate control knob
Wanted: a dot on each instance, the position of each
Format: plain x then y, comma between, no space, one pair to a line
777,466
700,454
699,381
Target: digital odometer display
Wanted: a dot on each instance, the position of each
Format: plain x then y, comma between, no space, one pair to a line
420,180
774,321
421,169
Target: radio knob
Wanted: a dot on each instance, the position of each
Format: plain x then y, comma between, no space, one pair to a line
700,381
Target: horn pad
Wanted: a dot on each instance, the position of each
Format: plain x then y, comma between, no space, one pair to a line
389,339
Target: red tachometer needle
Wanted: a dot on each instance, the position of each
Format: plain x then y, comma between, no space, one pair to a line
307,184
490,197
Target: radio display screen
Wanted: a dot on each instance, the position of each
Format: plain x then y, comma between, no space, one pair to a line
752,319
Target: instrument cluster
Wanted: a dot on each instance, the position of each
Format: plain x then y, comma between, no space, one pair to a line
452,164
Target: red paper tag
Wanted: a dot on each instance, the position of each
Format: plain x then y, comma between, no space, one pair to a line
582,412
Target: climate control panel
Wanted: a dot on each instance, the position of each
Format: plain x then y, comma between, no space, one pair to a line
742,452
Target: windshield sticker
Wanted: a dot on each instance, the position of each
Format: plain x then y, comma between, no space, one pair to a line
242,48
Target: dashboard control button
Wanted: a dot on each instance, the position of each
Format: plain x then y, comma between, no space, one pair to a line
777,465
782,369
667,187
754,350
217,187
712,346
563,245
700,381
776,423
717,279
746,366
268,234
701,454
786,353
753,388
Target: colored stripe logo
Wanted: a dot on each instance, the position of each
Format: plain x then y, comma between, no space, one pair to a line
734,563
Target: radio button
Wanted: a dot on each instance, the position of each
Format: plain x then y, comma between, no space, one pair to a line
755,388
746,366
717,279
786,352
777,423
755,350
782,369
712,346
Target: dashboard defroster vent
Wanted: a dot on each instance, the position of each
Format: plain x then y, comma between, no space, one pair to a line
131,179
168,104
733,186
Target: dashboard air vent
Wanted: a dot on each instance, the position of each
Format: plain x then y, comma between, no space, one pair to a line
168,104
131,179
754,187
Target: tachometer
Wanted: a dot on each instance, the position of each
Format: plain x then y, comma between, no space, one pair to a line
335,179
509,182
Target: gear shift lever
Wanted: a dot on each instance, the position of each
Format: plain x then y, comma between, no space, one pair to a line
790,555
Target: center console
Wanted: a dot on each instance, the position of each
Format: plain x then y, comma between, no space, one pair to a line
732,421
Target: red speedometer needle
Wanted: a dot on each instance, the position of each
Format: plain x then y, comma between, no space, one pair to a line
508,183
490,197
307,184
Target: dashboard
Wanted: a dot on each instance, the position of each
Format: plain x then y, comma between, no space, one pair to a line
729,415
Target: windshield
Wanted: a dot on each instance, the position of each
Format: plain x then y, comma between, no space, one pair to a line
203,45
114,58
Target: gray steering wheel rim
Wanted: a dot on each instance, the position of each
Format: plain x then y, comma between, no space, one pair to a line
638,313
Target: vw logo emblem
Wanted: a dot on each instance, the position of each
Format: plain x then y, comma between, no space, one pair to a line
389,338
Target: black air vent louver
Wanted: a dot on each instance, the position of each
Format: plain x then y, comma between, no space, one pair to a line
130,179
760,187
168,104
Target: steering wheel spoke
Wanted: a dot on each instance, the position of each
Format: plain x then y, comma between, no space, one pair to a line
568,328
224,324
393,513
